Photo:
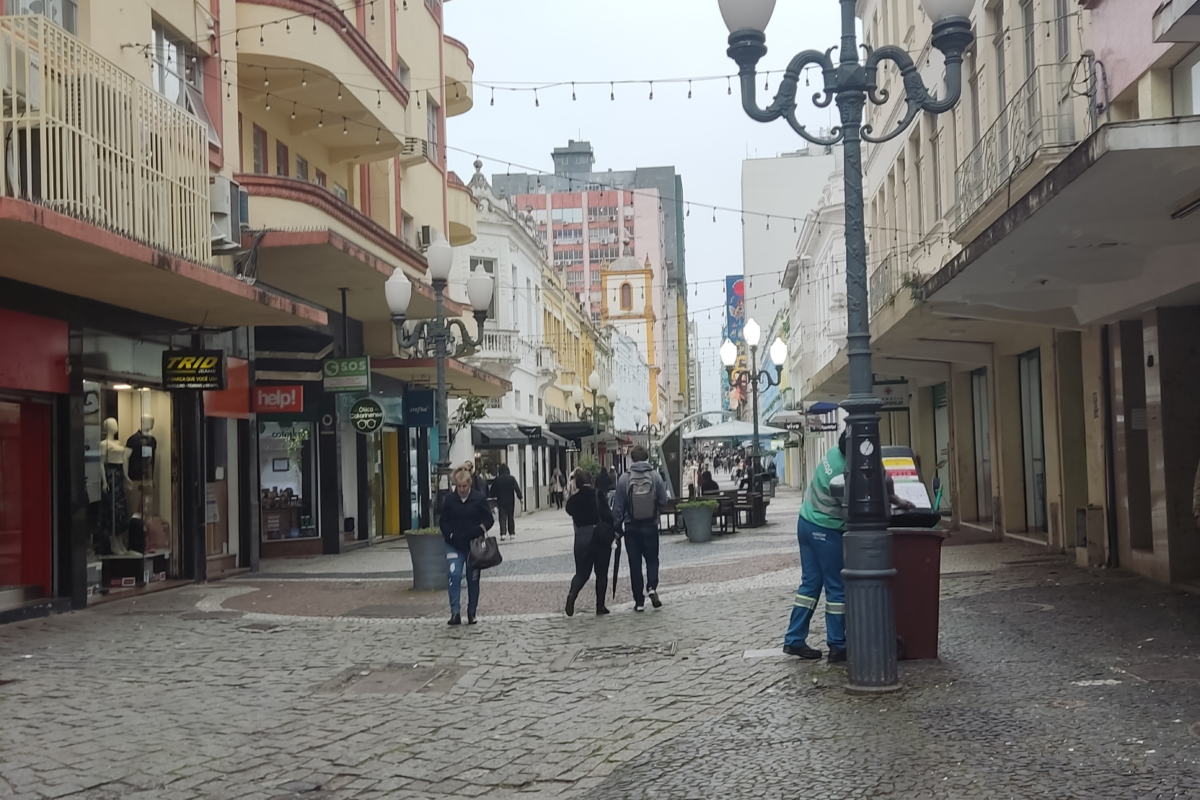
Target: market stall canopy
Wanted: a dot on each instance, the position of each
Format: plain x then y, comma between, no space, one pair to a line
734,429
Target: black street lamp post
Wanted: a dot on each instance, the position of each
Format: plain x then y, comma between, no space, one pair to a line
436,336
755,379
870,623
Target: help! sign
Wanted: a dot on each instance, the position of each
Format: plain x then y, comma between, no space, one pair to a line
278,399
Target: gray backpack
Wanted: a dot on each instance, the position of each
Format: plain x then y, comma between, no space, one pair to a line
643,496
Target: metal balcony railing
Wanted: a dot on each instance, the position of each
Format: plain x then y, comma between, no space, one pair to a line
1039,117
507,345
887,281
86,139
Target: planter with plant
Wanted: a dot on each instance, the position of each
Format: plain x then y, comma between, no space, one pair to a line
698,519
590,465
428,552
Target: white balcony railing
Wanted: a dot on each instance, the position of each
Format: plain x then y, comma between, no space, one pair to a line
1039,118
508,346
87,139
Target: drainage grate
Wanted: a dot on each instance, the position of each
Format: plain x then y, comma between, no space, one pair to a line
624,652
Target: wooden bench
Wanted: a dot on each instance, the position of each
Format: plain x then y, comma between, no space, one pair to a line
725,511
754,506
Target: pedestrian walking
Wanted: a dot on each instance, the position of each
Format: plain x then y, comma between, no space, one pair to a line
478,482
465,517
640,497
819,530
594,535
506,492
557,485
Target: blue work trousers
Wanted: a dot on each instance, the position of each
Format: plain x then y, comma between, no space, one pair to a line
456,566
821,562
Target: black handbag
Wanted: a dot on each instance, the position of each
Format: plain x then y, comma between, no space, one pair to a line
485,553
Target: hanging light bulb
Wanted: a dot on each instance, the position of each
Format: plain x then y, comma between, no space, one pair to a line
339,91
377,136
321,120
304,77
293,109
266,79
344,131
261,41
268,101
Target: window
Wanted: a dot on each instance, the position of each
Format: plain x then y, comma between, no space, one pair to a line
320,180
260,150
517,401
340,193
301,167
935,167
403,74
431,117
1027,22
178,74
487,265
920,187
1062,33
283,161
63,13
998,47
408,228
626,297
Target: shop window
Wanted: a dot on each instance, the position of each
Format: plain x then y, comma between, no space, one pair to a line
260,150
287,457
282,160
301,167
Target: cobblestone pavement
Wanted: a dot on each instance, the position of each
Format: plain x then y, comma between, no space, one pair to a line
1054,682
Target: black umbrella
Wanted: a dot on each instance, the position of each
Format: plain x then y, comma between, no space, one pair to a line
616,565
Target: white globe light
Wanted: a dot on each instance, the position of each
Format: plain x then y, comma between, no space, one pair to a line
751,332
440,256
577,395
398,292
778,352
729,355
741,15
938,10
479,291
613,394
594,381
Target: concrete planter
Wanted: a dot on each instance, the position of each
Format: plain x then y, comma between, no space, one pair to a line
697,520
428,553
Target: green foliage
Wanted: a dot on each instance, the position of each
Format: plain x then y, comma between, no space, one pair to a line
424,532
590,465
697,504
472,409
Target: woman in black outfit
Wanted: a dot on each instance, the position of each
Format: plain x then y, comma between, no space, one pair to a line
593,539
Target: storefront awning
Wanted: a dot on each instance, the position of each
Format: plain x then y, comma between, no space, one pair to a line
493,435
575,430
462,380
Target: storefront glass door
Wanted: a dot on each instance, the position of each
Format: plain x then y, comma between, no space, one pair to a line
1033,443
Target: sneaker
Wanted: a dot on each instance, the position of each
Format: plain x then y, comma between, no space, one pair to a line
802,650
654,601
601,610
837,655
640,607
471,619
455,620
571,605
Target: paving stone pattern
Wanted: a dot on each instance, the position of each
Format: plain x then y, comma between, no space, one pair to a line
175,697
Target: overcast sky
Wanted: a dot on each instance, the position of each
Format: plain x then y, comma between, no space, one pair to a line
704,138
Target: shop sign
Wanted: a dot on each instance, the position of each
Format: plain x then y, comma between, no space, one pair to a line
906,480
193,370
278,399
366,415
893,395
347,374
532,432
418,408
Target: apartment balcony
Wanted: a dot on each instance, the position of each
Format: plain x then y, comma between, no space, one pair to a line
888,282
324,65
503,350
312,245
1033,133
461,211
104,188
460,72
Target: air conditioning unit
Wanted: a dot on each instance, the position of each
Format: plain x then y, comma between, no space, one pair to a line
591,218
416,151
612,219
230,212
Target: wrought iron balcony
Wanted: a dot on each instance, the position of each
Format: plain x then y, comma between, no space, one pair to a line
887,282
88,140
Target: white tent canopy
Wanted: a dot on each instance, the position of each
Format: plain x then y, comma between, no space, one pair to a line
734,429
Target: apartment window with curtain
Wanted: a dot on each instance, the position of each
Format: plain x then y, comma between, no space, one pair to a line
63,13
260,150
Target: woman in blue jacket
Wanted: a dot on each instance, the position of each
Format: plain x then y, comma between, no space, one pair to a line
465,516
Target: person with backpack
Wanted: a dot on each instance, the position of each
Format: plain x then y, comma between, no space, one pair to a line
506,492
639,499
594,535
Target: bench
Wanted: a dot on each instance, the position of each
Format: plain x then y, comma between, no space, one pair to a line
753,506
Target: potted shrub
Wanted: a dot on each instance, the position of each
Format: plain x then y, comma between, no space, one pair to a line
697,519
428,552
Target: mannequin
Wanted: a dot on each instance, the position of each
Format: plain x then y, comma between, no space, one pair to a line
142,447
113,521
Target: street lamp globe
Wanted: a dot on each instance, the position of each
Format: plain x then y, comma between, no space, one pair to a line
594,381
440,256
577,395
729,355
752,15
938,10
398,292
613,394
752,332
778,352
479,291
